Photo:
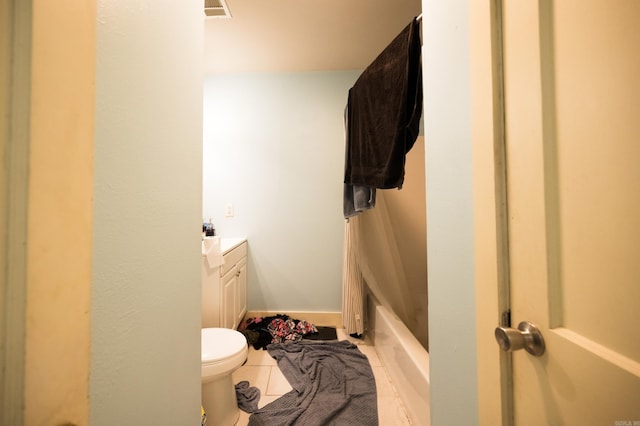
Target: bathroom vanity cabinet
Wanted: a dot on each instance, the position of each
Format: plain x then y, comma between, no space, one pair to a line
224,288
233,285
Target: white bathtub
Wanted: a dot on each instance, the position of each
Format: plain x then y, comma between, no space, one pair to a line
404,358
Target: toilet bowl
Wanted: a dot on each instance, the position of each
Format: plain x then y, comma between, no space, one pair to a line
223,351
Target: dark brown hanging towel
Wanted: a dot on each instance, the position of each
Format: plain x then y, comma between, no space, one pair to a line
384,109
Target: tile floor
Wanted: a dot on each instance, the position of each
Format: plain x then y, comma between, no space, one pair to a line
262,371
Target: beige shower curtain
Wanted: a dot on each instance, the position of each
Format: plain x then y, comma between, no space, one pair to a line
353,295
385,256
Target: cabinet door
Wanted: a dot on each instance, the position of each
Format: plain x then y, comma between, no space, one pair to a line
228,308
241,290
210,295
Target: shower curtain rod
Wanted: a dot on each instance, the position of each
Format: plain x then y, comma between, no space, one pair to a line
419,17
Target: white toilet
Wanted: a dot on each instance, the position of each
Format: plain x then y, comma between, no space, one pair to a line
223,351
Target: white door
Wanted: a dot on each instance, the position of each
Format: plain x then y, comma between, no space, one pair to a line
572,130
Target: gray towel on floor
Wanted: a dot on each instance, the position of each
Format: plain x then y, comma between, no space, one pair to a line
332,383
247,396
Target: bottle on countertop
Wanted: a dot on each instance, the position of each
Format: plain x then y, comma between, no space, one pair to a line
210,230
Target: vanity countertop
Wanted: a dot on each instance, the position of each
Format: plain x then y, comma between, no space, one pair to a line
225,245
228,244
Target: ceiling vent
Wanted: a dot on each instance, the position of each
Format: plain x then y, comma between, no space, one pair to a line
216,9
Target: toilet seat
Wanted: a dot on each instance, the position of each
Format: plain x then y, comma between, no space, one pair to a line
219,344
223,350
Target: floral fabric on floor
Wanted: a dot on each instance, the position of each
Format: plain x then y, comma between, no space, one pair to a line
282,330
261,331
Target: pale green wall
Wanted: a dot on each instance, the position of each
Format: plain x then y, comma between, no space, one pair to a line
274,147
447,112
145,327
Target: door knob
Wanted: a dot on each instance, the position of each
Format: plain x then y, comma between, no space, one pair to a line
526,336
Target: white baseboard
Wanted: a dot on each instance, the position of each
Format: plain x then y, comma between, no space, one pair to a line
326,319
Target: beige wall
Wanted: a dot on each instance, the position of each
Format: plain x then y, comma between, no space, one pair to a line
391,247
60,213
5,45
407,212
5,71
15,62
5,61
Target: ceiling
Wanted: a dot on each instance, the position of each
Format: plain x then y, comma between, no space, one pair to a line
303,35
